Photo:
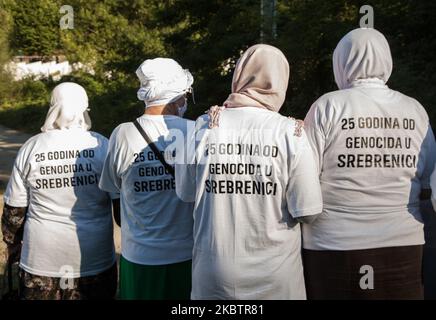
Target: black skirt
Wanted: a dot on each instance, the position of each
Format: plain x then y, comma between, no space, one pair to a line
382,273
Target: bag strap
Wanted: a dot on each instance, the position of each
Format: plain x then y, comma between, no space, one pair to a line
153,147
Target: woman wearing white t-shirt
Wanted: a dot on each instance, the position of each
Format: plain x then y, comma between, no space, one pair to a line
253,178
375,151
53,198
156,226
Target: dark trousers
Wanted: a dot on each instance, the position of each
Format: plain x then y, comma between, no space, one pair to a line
429,273
383,273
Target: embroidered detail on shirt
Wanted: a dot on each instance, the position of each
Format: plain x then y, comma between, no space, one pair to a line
299,126
214,116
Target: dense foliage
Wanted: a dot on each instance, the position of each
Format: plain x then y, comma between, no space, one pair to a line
207,36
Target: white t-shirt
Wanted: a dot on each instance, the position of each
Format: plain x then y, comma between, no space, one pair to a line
429,216
68,229
433,188
156,226
250,178
375,151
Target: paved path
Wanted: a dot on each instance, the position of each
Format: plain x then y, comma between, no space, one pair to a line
10,143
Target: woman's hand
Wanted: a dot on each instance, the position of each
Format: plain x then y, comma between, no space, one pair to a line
13,252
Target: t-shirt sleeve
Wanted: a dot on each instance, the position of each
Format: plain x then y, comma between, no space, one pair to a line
110,180
303,192
17,193
428,151
433,188
315,136
185,169
185,182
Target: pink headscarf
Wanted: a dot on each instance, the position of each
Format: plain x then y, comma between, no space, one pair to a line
260,80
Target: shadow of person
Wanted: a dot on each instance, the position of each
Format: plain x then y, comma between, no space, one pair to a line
91,218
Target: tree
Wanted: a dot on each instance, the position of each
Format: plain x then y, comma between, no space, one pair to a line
35,28
5,77
209,39
308,32
208,36
113,36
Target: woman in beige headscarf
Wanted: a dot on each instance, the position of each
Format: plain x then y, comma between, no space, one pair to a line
252,178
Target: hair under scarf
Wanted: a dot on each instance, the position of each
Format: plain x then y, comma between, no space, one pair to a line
68,108
163,81
260,80
362,55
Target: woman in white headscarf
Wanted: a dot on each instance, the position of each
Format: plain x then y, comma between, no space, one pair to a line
156,227
375,152
253,178
54,211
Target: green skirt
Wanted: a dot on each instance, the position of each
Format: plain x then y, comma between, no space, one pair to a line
163,282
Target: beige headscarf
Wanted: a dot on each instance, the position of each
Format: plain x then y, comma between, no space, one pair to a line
68,108
362,55
260,80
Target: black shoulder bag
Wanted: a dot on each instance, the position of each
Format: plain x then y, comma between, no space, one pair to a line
153,147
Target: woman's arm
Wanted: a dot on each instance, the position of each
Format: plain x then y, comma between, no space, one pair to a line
12,225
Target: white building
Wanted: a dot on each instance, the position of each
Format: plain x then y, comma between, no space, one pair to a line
42,70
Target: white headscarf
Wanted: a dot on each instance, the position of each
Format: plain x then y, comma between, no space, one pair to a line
68,108
163,81
362,55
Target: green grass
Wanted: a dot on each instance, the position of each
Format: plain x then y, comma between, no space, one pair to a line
27,117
